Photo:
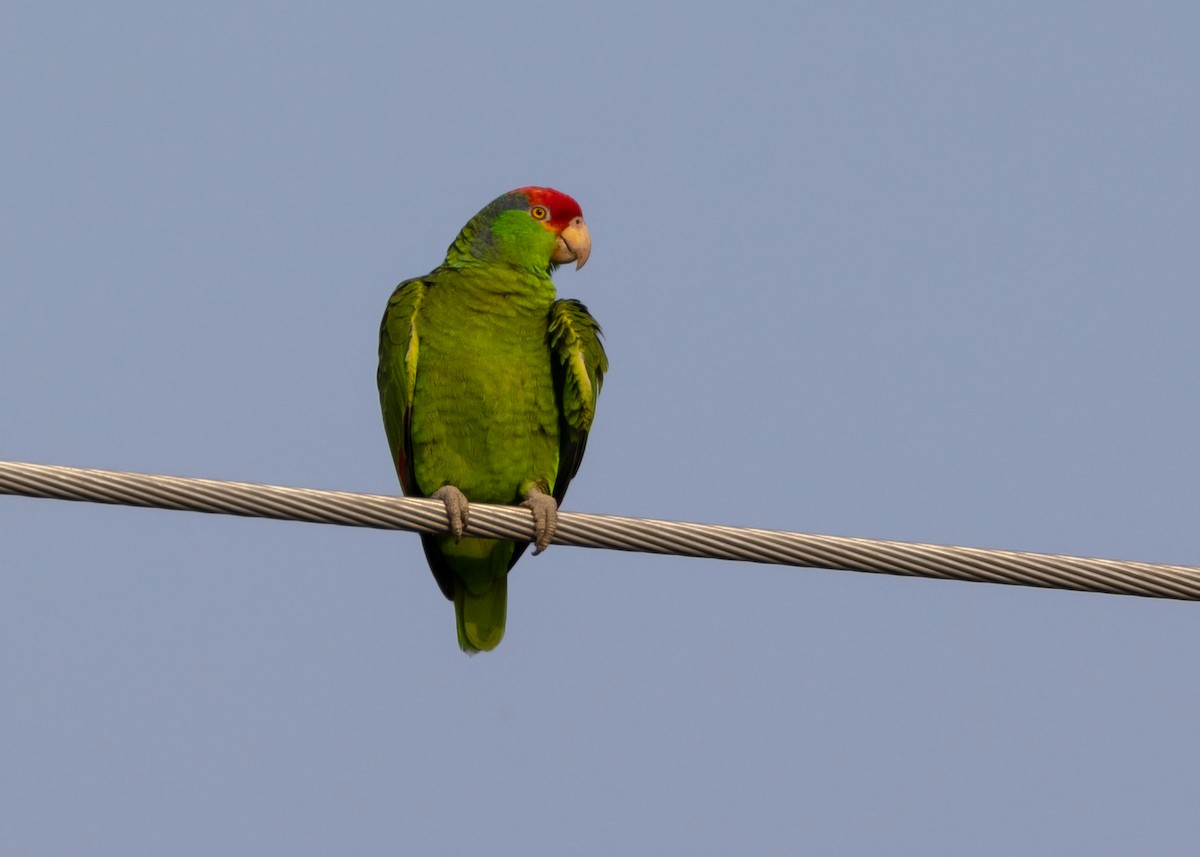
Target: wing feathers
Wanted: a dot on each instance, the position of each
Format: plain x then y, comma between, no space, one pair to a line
579,364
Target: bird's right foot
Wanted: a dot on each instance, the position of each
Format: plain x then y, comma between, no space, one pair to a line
457,508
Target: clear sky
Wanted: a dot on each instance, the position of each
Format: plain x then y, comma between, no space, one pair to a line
922,271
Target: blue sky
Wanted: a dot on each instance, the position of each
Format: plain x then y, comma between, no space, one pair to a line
919,271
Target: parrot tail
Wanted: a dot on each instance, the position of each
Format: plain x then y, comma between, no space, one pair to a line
480,618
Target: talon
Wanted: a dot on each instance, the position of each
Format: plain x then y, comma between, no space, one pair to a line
457,508
545,518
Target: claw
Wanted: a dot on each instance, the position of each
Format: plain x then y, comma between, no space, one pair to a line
545,517
457,508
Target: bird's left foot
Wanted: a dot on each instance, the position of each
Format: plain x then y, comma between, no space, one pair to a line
545,517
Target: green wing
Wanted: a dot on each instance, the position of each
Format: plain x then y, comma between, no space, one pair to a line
399,347
579,363
399,350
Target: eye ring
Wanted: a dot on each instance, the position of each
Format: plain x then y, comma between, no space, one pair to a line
539,212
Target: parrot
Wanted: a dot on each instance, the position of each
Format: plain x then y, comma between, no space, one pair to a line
488,385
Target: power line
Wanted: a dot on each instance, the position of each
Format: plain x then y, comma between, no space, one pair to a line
604,531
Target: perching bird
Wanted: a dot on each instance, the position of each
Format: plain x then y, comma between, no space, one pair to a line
488,386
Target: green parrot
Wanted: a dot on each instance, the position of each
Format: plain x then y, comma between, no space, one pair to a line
488,387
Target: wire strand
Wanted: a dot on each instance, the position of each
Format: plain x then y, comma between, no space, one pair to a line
604,531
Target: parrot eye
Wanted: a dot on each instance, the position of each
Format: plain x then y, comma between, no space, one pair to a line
539,212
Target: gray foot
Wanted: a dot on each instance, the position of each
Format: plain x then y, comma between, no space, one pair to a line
545,518
457,508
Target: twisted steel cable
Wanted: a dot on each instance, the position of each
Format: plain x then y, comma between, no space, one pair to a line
604,531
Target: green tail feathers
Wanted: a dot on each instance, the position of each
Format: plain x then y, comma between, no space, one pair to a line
480,618
481,590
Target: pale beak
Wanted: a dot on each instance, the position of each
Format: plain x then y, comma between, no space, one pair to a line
574,244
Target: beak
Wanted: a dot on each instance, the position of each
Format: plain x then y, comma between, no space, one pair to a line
574,244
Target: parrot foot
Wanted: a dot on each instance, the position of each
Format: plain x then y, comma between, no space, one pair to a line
545,517
457,508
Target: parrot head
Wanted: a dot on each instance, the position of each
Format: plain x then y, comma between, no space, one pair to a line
561,216
531,227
